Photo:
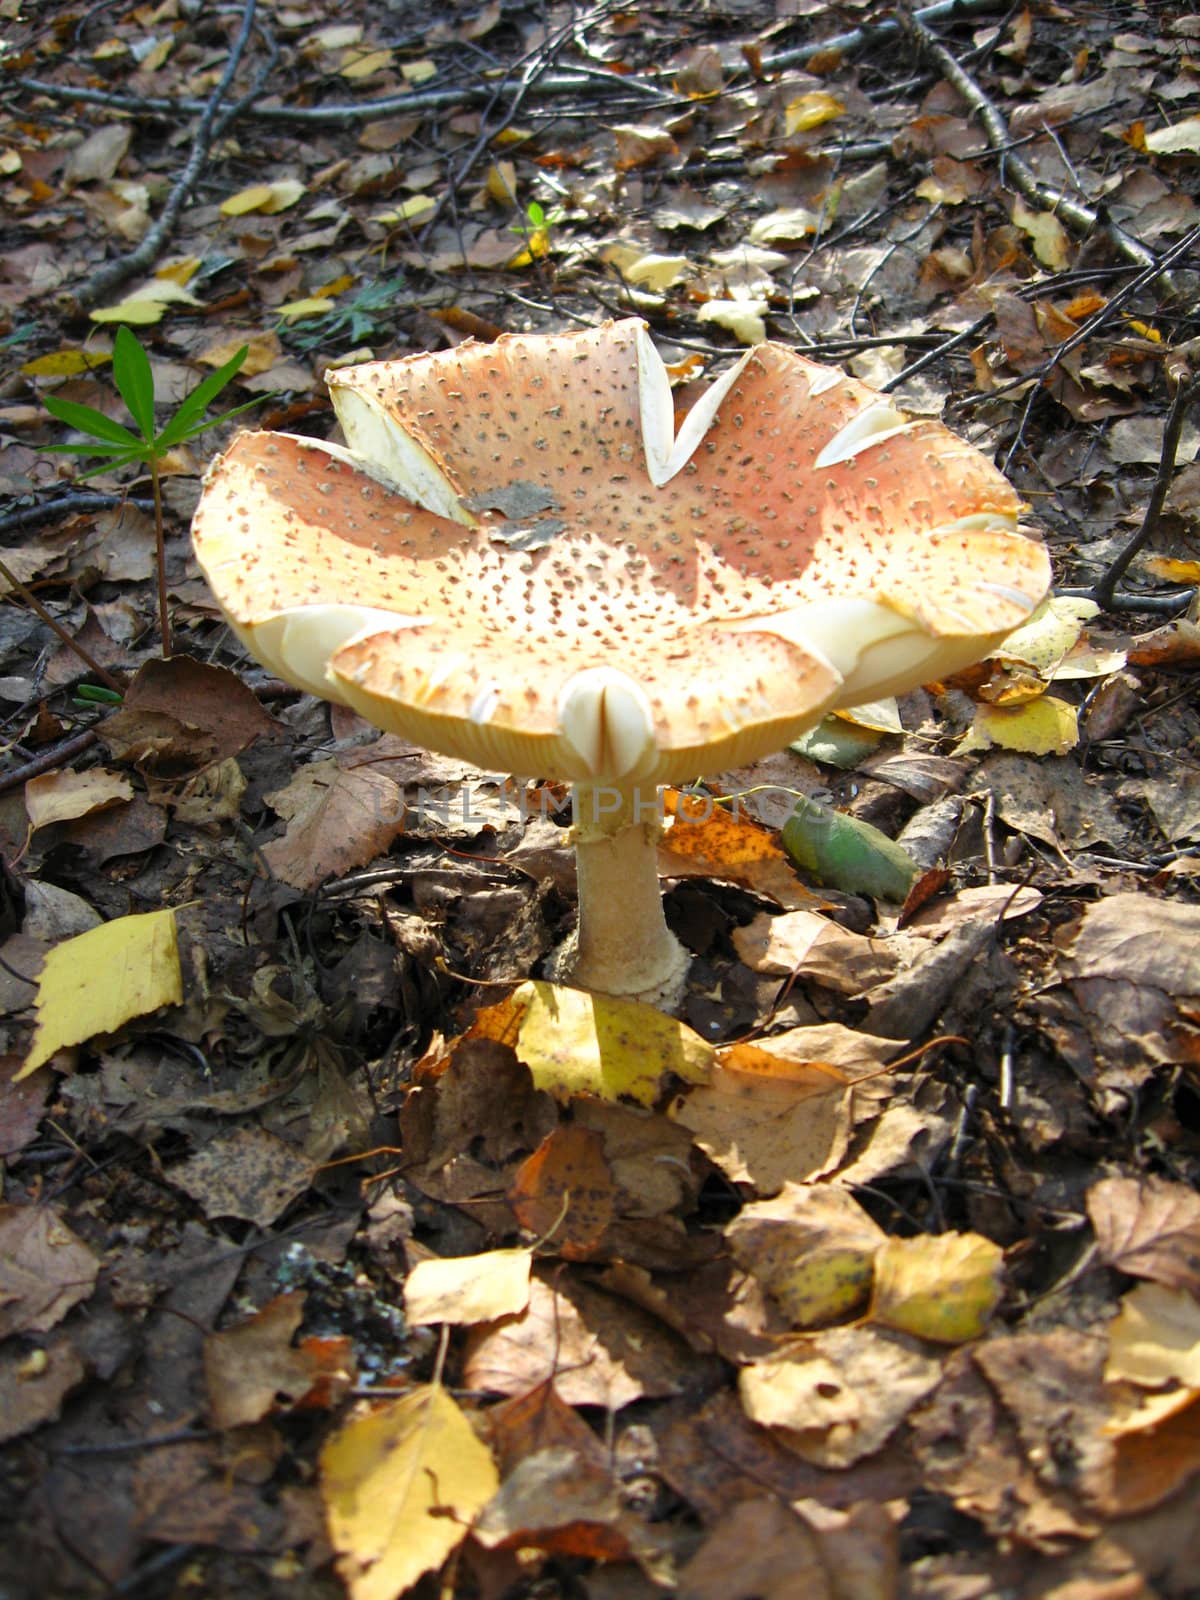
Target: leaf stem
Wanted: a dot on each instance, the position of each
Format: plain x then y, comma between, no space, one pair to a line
160,551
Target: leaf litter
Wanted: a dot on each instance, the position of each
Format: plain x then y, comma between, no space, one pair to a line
326,1263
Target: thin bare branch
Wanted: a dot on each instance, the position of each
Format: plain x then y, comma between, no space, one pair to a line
1014,169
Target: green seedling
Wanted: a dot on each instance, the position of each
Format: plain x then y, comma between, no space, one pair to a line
149,446
360,319
534,227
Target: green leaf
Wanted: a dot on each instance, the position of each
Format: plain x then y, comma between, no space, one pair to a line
86,419
134,379
211,422
846,853
183,424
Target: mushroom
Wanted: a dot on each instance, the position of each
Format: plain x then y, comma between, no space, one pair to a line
518,558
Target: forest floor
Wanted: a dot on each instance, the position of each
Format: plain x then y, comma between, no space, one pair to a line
336,1258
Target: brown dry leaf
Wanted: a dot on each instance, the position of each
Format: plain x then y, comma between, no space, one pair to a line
747,1119
653,1162
338,818
1153,1463
713,841
564,1192
967,1448
44,1269
813,948
21,1104
811,1248
835,1397
554,1501
986,901
1155,1338
34,1384
599,1351
64,796
250,1369
757,1550
468,1289
1148,1228
401,1486
639,144
263,350
540,1420
1175,644
247,1173
942,1286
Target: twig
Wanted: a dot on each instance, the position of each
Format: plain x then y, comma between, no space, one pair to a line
1015,169
54,757
66,506
846,43
35,605
119,271
1172,433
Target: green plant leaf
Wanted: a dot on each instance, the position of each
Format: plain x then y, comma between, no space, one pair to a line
134,379
183,425
86,419
211,422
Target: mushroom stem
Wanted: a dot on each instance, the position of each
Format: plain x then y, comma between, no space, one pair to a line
623,946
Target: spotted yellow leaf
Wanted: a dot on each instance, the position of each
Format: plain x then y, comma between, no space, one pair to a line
1046,726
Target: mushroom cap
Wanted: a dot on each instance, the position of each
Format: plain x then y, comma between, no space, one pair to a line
518,560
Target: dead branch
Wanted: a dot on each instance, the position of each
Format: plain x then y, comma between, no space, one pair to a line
1104,592
878,33
125,267
66,506
1014,169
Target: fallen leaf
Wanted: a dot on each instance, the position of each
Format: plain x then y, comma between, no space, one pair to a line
579,1043
1155,1338
1181,138
338,818
1042,727
835,1397
1051,241
98,981
468,1289
33,1385
811,110
597,1349
401,1486
254,1368
556,1502
758,1548
564,1192
265,197
813,1250
62,796
247,1173
940,1286
742,318
818,950
720,840
1149,1228
44,1269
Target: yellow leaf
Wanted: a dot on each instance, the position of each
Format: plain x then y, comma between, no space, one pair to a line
1155,1338
1042,727
96,982
882,716
365,64
415,206
401,1485
810,111
579,1043
1046,636
1051,241
338,36
141,312
742,318
182,271
262,352
468,1288
500,181
337,285
265,197
65,363
941,1286
418,71
537,245
1181,139
315,306
1165,567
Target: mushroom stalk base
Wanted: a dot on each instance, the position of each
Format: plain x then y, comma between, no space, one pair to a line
623,946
